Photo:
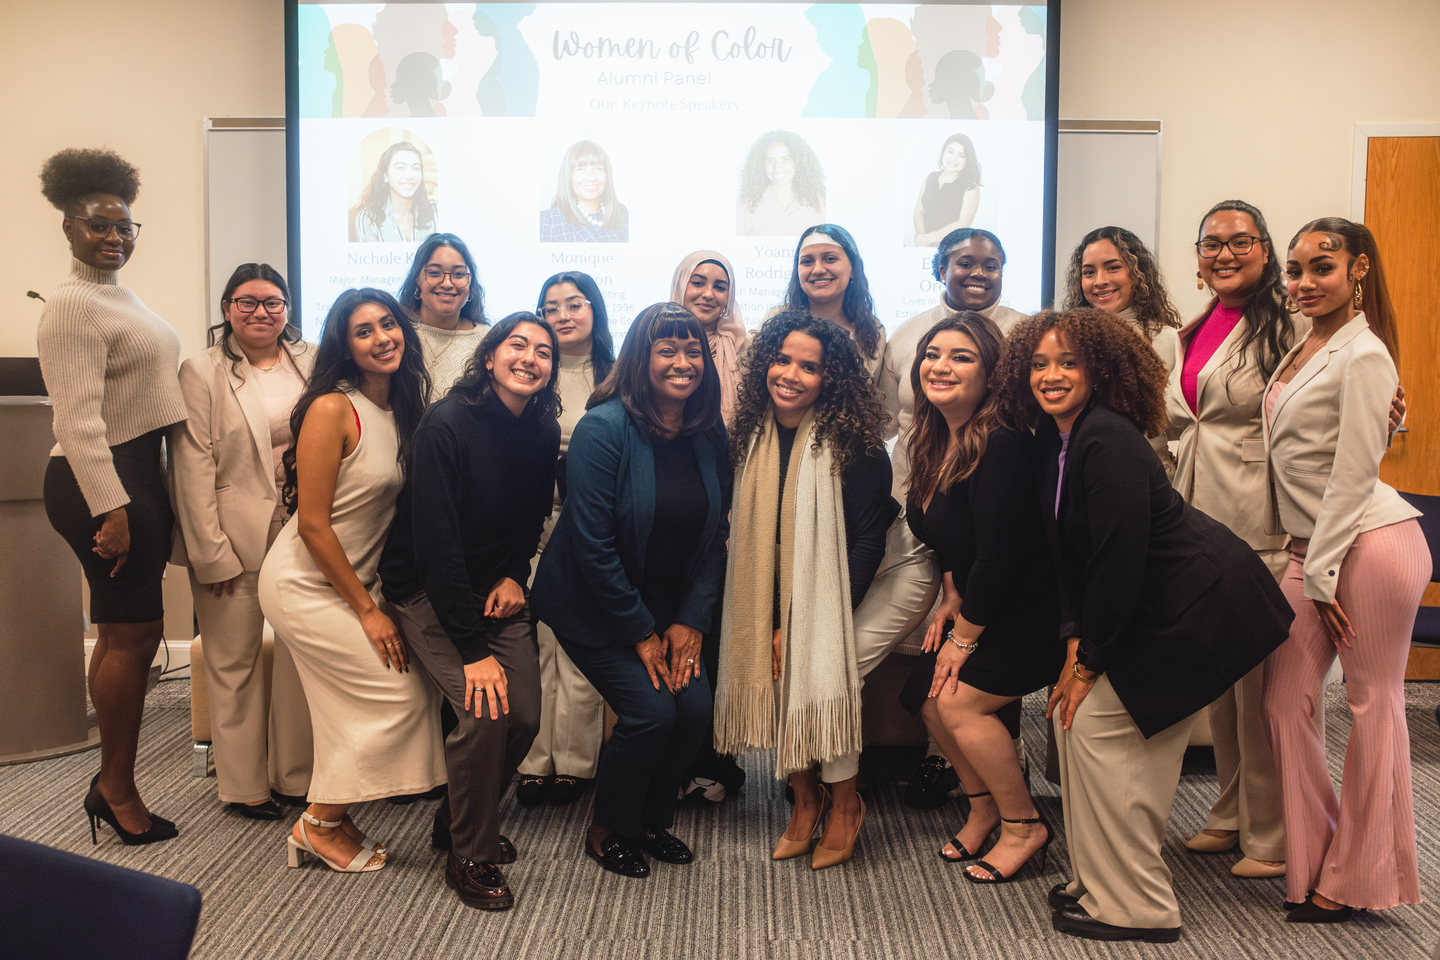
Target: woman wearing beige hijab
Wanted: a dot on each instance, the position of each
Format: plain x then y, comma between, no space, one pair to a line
703,284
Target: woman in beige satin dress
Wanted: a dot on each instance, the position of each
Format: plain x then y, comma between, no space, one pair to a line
376,725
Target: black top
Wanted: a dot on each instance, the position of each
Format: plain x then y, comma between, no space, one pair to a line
1167,601
987,535
680,511
868,508
941,202
485,480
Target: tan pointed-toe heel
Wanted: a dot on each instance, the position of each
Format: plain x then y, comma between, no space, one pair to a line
1256,870
786,849
1204,843
825,857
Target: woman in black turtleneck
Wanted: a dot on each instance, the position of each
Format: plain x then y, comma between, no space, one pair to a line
455,568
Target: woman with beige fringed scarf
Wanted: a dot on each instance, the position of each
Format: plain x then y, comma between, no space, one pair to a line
805,545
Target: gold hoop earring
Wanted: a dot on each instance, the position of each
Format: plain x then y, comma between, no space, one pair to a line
1199,284
1359,297
1291,306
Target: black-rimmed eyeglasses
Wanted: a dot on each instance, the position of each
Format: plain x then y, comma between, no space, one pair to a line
436,275
1239,245
247,305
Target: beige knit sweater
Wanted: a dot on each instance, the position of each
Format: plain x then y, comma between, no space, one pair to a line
109,364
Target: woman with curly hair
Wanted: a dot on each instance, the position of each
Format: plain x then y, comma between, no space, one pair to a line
792,658
109,365
396,204
782,187
1111,270
971,499
376,725
1358,567
1162,609
828,281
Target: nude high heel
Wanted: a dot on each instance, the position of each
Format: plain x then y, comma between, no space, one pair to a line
297,848
786,849
825,857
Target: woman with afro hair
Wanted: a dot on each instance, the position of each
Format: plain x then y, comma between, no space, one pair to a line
1161,610
811,513
109,364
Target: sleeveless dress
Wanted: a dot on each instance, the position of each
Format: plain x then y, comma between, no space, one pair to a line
377,731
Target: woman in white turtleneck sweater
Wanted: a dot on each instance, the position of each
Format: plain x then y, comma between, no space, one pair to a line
1112,270
110,368
445,298
566,751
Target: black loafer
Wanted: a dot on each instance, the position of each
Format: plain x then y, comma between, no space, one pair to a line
665,846
930,784
289,799
1076,921
1059,899
265,810
565,789
619,856
531,791
508,853
479,885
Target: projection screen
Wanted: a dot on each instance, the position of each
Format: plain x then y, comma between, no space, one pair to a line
615,138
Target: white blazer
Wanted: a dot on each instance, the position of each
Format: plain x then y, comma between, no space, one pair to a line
1325,438
1221,467
223,464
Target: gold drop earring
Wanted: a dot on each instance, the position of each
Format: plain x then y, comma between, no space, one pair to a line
1199,284
1291,306
1359,297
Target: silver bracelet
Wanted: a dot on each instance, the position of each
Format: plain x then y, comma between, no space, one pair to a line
967,647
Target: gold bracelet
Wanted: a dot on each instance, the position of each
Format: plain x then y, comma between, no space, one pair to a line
1076,668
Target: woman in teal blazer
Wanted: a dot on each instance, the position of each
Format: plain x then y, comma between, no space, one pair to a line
630,577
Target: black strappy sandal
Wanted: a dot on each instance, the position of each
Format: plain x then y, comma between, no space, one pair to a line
995,875
965,855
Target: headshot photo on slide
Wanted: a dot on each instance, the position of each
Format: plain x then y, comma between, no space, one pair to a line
585,206
949,194
781,189
393,188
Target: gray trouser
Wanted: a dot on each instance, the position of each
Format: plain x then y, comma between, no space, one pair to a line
480,754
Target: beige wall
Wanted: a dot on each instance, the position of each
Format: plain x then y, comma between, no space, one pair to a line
1259,101
168,64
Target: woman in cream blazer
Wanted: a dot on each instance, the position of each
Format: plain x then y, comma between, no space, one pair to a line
1213,402
239,394
1358,566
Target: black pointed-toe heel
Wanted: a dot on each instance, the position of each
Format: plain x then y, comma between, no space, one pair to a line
97,808
95,782
995,875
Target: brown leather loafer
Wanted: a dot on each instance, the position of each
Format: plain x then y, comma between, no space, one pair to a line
508,853
480,885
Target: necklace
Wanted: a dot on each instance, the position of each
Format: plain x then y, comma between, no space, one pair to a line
1303,357
440,354
278,357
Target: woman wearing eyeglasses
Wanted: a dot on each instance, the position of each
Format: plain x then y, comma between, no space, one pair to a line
109,366
228,481
444,296
566,751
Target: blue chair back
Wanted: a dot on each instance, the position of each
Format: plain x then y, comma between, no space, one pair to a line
1430,525
55,904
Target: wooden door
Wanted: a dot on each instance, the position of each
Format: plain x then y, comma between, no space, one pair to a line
1402,209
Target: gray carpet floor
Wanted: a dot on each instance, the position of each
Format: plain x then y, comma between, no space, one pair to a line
895,899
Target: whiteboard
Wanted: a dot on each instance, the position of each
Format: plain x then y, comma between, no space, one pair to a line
1108,174
244,200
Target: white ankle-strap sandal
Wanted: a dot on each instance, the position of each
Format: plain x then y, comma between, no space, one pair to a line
360,864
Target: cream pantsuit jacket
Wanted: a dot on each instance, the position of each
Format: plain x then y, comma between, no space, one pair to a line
223,467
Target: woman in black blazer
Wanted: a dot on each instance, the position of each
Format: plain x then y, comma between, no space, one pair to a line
1162,609
630,578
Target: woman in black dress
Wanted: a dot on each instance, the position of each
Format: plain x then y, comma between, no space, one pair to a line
971,499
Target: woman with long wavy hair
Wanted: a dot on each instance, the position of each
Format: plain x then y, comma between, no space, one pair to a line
812,500
782,187
443,294
376,725
396,204
971,498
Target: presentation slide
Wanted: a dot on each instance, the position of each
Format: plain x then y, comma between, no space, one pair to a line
615,138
